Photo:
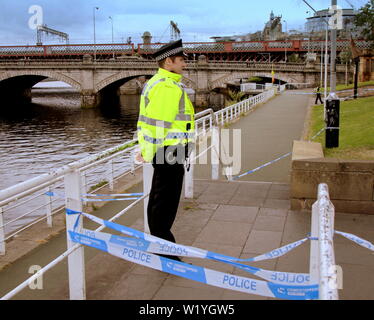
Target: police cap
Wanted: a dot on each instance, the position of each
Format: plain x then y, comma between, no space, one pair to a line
174,48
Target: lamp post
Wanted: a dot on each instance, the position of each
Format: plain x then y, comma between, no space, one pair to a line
285,48
111,19
94,23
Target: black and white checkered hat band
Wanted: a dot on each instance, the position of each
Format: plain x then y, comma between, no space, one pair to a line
169,53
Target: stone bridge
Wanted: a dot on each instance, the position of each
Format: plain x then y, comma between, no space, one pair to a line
101,79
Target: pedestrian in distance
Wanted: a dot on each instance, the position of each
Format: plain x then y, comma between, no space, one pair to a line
165,135
318,95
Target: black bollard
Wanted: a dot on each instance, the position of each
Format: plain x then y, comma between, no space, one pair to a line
332,123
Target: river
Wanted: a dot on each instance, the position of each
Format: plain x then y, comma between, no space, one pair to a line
53,131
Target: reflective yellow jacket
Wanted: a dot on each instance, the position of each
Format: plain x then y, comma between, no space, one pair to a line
166,115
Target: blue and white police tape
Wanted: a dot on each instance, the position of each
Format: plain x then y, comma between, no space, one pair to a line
131,196
114,194
317,134
196,273
161,246
262,166
362,242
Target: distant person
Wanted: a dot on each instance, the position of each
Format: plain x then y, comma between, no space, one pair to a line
318,95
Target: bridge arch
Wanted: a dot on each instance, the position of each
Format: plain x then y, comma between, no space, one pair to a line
123,75
47,74
238,75
129,75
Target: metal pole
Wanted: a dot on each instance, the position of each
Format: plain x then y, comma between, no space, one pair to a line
215,152
357,61
333,103
94,23
76,266
2,233
285,49
188,182
147,184
333,57
111,19
321,78
326,62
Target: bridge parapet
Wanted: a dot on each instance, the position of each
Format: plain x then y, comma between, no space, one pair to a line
91,78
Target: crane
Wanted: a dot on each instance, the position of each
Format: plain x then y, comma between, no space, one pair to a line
175,33
43,28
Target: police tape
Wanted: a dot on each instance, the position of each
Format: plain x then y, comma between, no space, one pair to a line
129,252
317,134
158,248
262,166
313,93
362,242
55,194
157,245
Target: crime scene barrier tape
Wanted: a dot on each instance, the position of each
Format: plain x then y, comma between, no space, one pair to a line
262,166
362,242
141,251
128,249
313,93
161,246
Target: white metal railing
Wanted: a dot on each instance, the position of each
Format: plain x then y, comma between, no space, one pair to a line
207,123
25,204
322,258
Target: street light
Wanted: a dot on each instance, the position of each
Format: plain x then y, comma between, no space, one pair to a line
285,48
111,19
94,23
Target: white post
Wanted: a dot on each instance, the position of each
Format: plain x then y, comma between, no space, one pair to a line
314,247
188,181
48,205
215,152
328,273
111,175
83,185
147,184
77,281
2,233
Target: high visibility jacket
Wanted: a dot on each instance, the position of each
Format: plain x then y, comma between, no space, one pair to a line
166,115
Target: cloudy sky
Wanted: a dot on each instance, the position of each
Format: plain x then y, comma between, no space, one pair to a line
197,19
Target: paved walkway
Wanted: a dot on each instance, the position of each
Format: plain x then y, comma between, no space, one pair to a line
268,133
225,219
241,219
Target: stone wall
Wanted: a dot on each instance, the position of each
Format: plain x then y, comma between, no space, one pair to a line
350,182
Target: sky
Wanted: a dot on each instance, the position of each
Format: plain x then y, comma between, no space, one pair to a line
198,20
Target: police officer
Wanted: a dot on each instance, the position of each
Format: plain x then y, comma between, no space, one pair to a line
165,135
318,95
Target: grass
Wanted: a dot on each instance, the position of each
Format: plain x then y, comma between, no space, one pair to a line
356,134
340,87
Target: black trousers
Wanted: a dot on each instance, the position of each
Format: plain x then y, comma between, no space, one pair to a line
164,199
318,97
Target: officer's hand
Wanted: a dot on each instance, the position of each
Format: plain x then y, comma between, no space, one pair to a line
138,158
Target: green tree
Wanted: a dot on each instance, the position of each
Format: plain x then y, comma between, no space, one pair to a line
365,21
